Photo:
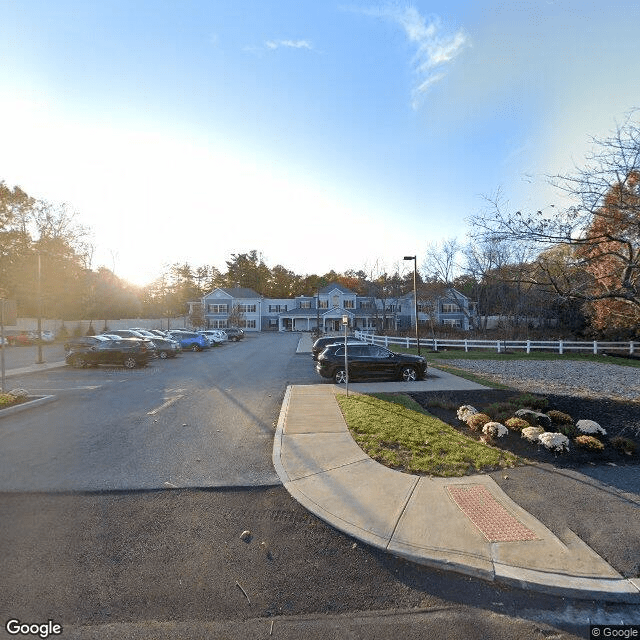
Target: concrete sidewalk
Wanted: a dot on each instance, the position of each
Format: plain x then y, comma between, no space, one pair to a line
467,524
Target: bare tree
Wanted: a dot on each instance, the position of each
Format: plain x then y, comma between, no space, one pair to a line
599,235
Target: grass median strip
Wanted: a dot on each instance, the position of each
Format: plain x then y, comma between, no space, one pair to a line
397,432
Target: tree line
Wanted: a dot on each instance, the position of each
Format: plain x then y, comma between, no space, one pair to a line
576,267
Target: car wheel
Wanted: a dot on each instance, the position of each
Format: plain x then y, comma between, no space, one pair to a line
340,376
408,374
195,347
78,362
163,355
130,363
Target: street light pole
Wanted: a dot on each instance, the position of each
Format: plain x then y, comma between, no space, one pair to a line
415,295
39,360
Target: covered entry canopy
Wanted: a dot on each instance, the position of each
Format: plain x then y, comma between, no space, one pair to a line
329,319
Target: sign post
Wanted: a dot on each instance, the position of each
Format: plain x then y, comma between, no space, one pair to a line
345,322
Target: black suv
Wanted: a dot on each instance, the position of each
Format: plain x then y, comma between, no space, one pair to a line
234,334
128,352
369,361
322,343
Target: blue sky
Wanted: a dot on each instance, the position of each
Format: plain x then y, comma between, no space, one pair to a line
325,135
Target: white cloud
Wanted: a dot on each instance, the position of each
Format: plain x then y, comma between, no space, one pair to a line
434,47
290,44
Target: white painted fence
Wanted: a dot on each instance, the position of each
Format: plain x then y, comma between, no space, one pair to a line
558,346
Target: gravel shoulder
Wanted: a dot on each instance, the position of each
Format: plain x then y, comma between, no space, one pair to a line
562,377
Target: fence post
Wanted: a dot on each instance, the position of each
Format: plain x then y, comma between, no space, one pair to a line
561,347
528,346
498,345
435,344
595,348
466,346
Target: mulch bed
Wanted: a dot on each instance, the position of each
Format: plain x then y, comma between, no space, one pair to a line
617,418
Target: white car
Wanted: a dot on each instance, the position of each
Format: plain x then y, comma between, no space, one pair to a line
214,336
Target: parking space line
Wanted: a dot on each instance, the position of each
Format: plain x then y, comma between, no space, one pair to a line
84,388
164,405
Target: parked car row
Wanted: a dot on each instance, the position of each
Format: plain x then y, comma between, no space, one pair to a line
135,347
23,338
364,361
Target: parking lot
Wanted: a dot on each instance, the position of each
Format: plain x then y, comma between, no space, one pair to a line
201,419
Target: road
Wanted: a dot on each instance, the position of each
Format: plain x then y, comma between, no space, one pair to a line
122,507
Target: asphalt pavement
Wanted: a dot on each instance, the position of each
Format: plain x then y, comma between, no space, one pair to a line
468,525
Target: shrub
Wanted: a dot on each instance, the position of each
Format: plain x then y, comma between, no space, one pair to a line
465,411
6,399
624,445
535,418
537,403
568,430
558,417
500,411
554,441
589,442
532,434
9,399
516,424
494,430
442,403
589,426
476,421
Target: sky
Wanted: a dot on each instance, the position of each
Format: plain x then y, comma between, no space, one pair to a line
325,135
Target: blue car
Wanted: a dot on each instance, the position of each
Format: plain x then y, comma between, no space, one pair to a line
190,341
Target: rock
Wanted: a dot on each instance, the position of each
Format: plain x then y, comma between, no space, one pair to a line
245,536
535,418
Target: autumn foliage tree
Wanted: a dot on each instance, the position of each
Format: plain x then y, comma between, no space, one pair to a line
611,255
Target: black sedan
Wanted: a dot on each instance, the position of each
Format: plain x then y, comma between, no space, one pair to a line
369,361
128,352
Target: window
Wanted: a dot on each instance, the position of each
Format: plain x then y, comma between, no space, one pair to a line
349,304
248,324
449,307
324,304
305,304
247,308
366,304
273,322
452,323
277,308
218,324
218,308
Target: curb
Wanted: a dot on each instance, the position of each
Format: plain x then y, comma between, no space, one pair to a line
34,368
618,590
30,404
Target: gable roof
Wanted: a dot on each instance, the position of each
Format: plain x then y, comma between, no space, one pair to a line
236,292
333,286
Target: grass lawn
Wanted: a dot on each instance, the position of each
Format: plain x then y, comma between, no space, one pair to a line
397,432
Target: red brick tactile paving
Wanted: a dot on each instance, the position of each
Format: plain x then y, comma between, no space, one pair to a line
488,515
